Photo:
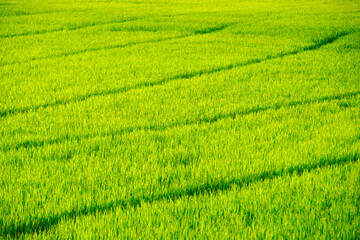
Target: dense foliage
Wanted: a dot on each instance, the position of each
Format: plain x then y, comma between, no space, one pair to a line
180,119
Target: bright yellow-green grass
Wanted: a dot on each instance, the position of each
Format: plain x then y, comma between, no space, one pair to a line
179,119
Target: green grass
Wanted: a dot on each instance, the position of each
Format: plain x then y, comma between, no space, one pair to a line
180,119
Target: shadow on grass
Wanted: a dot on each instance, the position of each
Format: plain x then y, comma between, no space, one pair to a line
43,224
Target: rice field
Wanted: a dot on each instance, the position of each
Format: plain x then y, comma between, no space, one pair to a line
179,119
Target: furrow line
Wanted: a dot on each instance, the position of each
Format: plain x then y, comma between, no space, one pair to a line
118,46
42,224
44,31
212,119
41,13
77,52
324,42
